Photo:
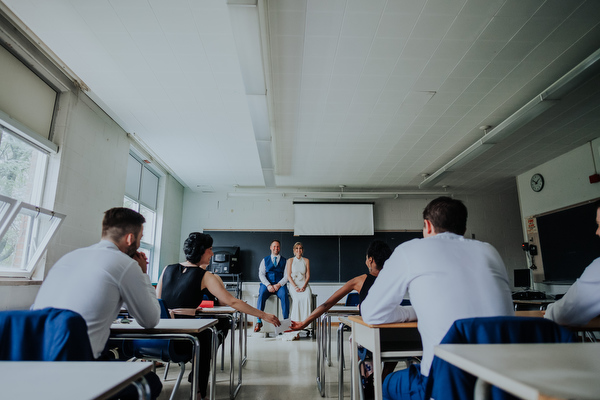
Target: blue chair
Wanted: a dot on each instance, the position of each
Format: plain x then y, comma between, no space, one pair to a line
449,382
49,334
352,299
158,350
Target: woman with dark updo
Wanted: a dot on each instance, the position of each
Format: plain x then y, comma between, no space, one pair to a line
184,286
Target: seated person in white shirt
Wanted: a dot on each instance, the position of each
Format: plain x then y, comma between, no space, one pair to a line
447,277
581,303
95,281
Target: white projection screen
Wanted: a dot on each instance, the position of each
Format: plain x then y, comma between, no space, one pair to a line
333,219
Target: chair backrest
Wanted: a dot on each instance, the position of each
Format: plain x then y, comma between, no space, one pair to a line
449,382
156,349
48,334
164,310
352,299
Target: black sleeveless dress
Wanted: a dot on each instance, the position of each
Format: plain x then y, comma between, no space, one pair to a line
364,291
181,289
181,286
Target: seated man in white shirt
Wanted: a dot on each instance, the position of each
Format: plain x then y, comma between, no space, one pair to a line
95,281
447,277
581,303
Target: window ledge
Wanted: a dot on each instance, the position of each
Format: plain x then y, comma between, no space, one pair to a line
19,282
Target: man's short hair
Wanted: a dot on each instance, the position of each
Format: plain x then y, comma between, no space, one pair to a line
275,240
447,215
120,221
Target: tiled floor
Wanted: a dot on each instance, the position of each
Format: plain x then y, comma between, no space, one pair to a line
275,369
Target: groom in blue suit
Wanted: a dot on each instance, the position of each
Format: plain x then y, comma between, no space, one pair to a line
272,277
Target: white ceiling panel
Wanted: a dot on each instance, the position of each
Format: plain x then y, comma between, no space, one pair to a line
370,94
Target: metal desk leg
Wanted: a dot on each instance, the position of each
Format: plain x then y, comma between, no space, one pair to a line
223,352
377,367
245,358
321,346
231,356
483,390
239,385
143,389
233,388
340,346
355,381
328,327
318,338
213,372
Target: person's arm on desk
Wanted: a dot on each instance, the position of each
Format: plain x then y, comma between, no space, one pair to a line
215,286
352,284
139,295
581,303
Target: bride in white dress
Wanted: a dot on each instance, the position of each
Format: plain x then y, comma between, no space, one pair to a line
298,275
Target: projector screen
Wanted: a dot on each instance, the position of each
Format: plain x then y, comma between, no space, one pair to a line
333,219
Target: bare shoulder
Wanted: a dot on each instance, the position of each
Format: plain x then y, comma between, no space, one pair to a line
217,277
358,282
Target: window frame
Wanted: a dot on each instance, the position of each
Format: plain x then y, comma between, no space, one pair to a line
153,248
7,218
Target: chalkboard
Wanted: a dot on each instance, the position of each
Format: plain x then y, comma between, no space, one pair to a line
332,258
568,242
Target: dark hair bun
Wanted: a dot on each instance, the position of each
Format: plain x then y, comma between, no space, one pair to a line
195,246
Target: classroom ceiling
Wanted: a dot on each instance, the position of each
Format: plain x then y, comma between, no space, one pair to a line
308,94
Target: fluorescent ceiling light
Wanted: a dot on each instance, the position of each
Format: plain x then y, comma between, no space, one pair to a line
246,32
334,195
257,105
525,114
469,154
536,106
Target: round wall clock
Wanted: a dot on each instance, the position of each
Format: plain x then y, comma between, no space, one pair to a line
537,182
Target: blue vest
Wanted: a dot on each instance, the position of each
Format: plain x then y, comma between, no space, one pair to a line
274,273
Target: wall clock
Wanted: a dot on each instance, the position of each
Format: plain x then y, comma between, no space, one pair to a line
537,182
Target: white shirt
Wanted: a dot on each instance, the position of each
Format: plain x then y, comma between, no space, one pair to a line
95,282
447,277
581,303
262,272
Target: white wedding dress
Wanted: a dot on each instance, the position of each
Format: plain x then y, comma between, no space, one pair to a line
301,301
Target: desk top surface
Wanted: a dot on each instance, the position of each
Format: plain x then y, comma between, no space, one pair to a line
539,301
593,325
166,326
343,310
561,370
217,310
67,379
358,319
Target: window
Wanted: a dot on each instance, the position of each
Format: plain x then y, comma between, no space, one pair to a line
22,168
25,229
141,195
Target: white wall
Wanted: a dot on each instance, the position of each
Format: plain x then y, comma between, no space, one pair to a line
566,182
86,178
494,219
171,227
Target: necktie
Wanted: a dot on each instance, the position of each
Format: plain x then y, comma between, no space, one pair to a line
274,260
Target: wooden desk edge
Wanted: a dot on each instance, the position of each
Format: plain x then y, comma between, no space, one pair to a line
128,329
358,319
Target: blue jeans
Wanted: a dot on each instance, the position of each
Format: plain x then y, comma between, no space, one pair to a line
282,293
406,384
